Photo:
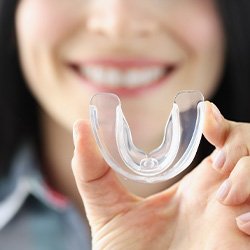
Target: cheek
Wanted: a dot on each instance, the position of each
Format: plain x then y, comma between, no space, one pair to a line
203,39
202,31
204,35
44,20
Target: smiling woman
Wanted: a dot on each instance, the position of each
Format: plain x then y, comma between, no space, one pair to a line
151,53
54,55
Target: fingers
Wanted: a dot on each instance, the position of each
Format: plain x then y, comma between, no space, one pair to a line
243,223
230,157
229,138
103,196
236,189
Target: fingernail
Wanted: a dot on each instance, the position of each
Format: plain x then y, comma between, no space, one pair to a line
223,190
219,159
244,218
217,114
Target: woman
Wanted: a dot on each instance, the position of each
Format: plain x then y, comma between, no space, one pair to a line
64,52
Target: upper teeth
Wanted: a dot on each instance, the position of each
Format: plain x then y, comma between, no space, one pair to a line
124,78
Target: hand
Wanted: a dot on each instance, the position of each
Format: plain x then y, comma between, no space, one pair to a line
186,216
232,155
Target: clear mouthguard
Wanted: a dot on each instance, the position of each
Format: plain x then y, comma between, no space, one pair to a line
180,142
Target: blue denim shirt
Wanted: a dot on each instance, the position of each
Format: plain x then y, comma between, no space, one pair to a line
34,217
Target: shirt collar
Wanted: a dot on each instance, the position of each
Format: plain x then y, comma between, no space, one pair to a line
25,179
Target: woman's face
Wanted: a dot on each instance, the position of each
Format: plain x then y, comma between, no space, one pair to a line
145,51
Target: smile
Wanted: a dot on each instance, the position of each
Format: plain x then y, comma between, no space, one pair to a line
123,77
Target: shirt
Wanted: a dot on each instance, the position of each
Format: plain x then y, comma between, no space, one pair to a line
35,217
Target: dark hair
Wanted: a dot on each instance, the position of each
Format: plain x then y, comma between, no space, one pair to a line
18,109
18,119
232,95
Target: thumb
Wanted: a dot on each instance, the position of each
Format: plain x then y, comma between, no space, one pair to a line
103,195
216,127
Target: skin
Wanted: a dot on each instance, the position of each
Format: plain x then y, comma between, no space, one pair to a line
53,34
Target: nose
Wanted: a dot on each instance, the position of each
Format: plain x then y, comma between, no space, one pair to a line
121,18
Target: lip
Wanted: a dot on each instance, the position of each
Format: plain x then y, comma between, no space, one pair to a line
124,65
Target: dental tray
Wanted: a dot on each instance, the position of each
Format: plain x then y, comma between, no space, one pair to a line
180,142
